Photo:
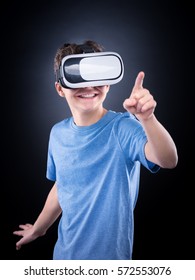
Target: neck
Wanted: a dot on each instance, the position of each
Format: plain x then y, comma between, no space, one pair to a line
88,118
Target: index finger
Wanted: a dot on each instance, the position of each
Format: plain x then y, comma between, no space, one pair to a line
139,81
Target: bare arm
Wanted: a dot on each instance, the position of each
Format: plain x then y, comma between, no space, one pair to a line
160,147
47,217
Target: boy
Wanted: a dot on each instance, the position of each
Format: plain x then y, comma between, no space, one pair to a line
94,158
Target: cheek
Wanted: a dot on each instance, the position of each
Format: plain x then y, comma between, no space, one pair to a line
70,100
104,94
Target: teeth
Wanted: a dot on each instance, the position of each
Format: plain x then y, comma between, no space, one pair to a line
89,95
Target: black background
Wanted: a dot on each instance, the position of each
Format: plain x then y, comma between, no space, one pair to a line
151,36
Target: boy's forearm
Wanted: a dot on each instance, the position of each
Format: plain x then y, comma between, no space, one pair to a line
160,148
49,214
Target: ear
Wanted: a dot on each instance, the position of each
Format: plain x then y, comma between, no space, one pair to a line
107,87
59,89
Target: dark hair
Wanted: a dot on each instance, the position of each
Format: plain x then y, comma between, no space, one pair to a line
72,48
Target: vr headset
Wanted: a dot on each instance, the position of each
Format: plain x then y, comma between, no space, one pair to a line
90,69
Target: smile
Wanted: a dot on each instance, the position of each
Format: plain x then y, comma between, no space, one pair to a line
87,95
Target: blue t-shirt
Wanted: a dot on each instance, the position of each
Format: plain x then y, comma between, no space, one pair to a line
97,170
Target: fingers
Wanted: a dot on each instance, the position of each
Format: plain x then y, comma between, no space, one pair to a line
140,101
23,227
139,81
21,242
18,246
137,89
24,233
144,101
129,105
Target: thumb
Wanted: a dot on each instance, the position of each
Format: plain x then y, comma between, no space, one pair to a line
18,246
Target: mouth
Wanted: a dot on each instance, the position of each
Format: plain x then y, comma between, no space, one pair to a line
87,95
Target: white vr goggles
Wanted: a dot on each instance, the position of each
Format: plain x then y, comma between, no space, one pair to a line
90,69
